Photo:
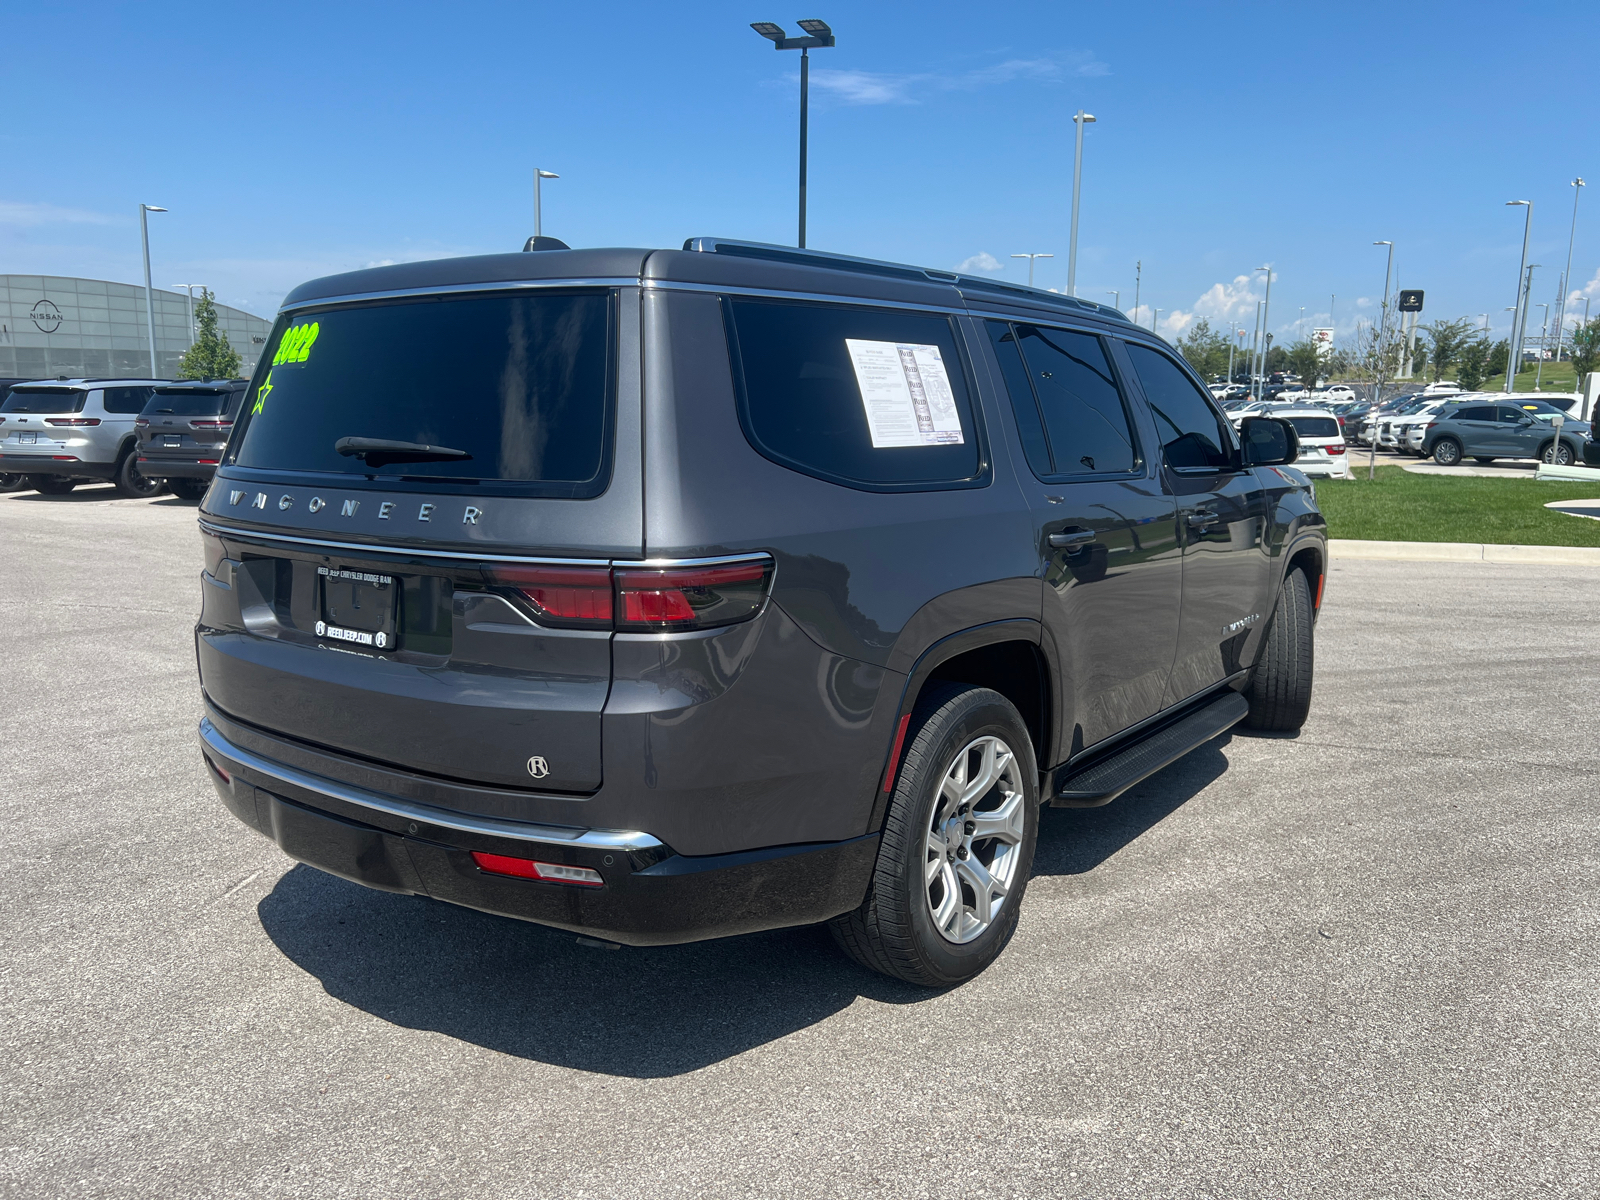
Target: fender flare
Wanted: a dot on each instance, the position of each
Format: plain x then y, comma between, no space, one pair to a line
1008,629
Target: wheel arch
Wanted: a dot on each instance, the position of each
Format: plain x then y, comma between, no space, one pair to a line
1311,556
1007,656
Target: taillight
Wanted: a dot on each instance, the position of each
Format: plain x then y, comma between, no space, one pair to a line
72,420
690,597
527,868
1334,449
1431,424
575,596
141,422
634,598
210,424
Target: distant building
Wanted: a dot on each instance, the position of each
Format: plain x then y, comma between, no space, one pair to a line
51,326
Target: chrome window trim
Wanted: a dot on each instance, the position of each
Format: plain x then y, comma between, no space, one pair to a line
509,285
600,839
468,556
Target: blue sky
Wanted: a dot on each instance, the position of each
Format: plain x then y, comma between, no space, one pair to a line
294,142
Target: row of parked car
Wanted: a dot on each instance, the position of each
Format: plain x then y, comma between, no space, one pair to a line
1448,427
145,436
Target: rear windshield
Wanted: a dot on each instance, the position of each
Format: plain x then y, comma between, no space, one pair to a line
512,388
1315,427
189,402
44,400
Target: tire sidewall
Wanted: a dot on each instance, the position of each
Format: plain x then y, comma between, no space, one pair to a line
129,478
1452,455
918,791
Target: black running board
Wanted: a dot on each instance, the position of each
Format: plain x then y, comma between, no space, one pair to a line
1103,781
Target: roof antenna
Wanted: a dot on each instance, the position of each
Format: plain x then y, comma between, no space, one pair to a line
544,243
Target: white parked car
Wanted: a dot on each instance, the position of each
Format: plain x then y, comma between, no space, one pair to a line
1339,393
1322,446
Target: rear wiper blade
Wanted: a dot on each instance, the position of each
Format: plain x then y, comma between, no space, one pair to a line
377,452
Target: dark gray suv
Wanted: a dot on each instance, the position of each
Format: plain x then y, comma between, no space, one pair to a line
665,595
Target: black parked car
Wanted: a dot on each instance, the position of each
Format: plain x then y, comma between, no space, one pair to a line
183,430
665,595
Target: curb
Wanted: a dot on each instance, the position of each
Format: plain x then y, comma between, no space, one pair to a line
1349,548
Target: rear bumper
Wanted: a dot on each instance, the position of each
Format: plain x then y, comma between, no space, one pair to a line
175,468
44,464
651,895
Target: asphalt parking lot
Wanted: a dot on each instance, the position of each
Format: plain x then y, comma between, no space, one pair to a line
1364,962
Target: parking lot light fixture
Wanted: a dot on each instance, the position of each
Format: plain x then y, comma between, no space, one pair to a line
1577,186
1116,299
1080,119
149,292
1377,370
1516,348
1266,308
818,36
539,175
190,287
1030,258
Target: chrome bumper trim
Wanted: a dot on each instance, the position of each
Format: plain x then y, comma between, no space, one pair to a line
566,835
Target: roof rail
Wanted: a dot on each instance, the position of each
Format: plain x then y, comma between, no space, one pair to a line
873,266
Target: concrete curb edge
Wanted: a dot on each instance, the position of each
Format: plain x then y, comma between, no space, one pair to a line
1351,548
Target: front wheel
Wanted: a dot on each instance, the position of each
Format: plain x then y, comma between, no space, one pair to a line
130,481
957,843
1557,454
1280,689
1447,452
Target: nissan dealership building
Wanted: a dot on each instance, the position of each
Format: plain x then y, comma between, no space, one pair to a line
52,326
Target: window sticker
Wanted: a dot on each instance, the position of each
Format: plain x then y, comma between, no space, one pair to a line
906,393
296,344
262,393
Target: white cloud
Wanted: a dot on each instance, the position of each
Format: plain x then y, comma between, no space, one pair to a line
981,261
1363,301
1590,290
870,87
16,214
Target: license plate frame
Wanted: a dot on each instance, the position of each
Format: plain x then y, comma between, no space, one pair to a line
171,441
359,609
27,437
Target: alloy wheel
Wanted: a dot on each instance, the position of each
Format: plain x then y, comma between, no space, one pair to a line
977,825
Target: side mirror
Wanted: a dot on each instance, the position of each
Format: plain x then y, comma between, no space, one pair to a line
1268,442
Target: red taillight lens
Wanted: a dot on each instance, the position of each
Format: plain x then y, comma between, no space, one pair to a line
72,420
205,462
577,596
1334,449
691,597
527,868
210,424
221,774
1431,424
141,422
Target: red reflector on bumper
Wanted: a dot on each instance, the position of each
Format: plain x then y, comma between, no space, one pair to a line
527,868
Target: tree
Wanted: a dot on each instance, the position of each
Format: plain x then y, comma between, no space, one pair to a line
1277,359
1307,360
1585,342
1205,350
211,357
1446,340
1499,355
1472,364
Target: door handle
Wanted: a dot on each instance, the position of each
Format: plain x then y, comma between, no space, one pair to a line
1073,537
1200,517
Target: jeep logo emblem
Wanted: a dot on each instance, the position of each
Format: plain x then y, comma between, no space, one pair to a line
537,767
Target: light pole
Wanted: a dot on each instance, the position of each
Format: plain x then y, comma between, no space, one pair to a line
1154,321
818,37
539,176
1266,308
1233,336
1116,299
1030,258
1080,119
1511,359
1485,317
149,292
1561,321
1255,348
1544,332
1138,278
190,287
1521,331
1377,372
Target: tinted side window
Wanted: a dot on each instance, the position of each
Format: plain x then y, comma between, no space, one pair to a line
871,398
1512,416
1190,430
1478,413
1074,396
127,399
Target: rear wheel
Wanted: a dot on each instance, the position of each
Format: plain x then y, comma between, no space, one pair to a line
11,481
1280,690
131,482
188,489
1447,452
51,485
957,844
1557,454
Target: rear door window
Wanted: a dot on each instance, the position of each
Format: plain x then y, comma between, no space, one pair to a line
512,392
870,398
126,399
1070,411
1191,431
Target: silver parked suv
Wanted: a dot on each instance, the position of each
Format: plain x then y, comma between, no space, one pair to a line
58,433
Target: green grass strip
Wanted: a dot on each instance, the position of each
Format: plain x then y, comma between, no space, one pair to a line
1400,506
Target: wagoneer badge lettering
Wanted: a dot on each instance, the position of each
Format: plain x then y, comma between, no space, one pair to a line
285,503
317,504
470,517
425,513
260,501
385,509
349,508
235,496
537,767
1241,623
